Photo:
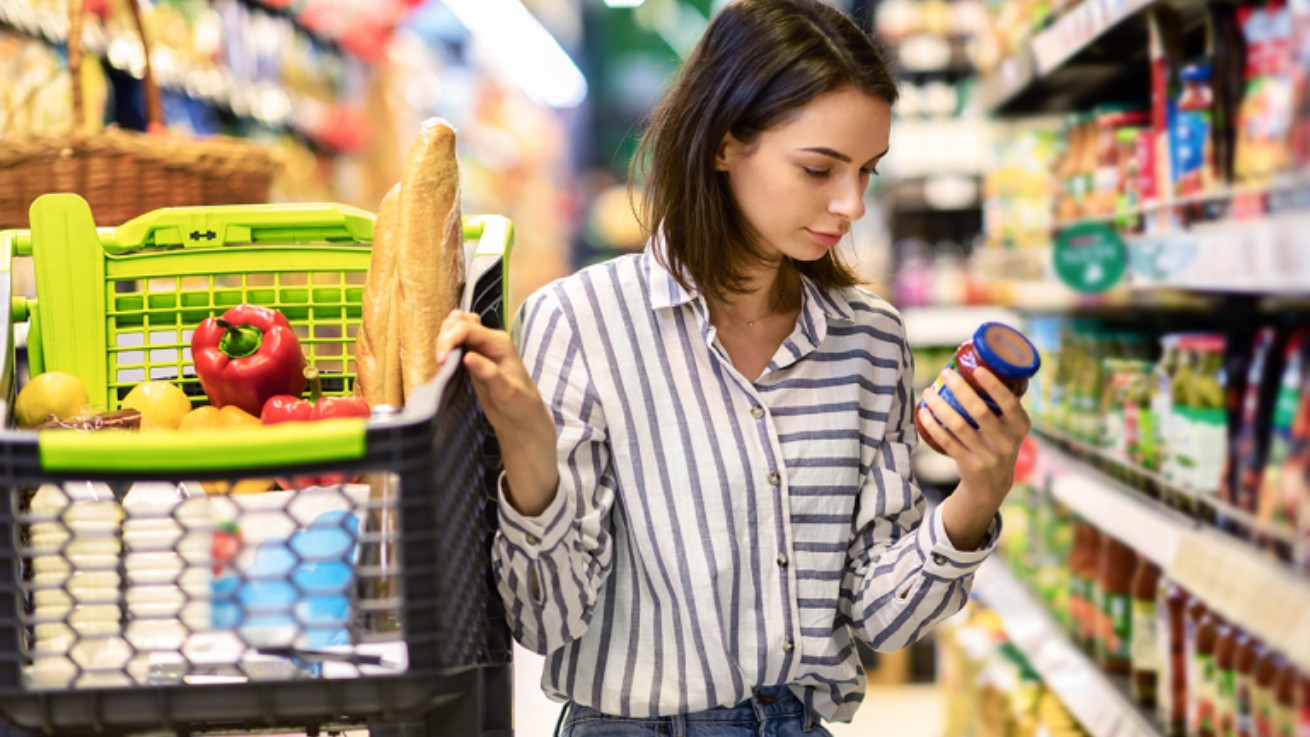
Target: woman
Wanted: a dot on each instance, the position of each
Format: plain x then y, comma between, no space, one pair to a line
707,492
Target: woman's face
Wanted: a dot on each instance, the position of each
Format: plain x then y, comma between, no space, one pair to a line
802,182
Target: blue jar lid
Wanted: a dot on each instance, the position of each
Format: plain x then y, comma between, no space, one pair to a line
1006,350
1196,73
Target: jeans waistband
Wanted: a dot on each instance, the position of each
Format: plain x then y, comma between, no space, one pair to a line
769,702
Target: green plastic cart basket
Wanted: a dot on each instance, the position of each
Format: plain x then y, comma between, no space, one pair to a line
116,306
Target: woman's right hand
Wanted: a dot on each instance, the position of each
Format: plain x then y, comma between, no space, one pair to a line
512,405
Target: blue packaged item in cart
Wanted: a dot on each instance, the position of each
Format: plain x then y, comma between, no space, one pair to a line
284,566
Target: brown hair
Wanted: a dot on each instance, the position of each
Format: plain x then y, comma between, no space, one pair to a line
758,61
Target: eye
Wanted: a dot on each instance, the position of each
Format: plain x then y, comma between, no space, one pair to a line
816,173
869,171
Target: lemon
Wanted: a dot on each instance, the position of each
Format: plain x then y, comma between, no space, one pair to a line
52,393
162,405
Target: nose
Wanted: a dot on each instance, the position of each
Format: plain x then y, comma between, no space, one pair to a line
848,201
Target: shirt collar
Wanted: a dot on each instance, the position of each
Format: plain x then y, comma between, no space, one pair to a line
665,291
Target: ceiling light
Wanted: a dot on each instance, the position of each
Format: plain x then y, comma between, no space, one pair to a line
524,49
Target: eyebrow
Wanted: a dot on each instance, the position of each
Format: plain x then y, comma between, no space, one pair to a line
839,155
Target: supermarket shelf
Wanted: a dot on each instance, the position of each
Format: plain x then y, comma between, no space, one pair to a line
1089,53
1247,587
1265,256
1078,29
1148,527
266,103
949,326
1095,700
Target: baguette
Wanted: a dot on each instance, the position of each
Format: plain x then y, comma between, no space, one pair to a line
430,257
376,359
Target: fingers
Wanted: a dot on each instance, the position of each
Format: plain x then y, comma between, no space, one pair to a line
1012,411
972,402
966,436
945,440
466,329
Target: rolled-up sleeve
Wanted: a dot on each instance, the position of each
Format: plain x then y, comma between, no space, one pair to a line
550,567
903,574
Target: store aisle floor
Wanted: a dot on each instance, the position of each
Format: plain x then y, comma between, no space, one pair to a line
888,711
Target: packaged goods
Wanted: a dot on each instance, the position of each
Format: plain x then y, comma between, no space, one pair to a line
1285,702
1204,674
1171,696
1264,696
1082,584
1114,612
1145,633
1225,658
1161,458
1195,615
1201,420
1192,133
1128,197
1276,509
999,348
1303,707
1249,421
1228,61
1299,137
1265,117
1110,120
1249,653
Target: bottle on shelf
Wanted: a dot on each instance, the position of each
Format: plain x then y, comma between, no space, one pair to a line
1195,615
1264,696
1303,705
1117,565
1285,702
1225,657
1206,694
1145,633
1171,696
1249,652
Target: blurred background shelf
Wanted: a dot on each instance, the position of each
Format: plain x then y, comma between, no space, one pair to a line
1098,701
1247,586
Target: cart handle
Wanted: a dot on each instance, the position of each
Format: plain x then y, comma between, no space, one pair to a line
19,242
287,444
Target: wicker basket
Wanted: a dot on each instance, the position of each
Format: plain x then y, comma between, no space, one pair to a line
123,174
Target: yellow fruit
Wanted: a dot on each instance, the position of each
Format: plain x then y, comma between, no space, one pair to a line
162,405
230,417
51,393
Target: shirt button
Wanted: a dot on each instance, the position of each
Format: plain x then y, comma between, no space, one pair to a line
757,412
782,561
774,479
533,539
939,559
788,646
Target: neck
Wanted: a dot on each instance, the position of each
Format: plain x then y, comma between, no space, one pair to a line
770,288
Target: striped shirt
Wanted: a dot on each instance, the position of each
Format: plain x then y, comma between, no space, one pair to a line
711,534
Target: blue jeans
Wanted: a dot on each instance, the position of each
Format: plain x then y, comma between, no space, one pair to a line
772,712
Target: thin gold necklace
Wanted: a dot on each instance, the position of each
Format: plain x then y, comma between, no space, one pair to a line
782,298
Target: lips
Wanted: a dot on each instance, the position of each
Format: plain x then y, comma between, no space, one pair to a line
825,239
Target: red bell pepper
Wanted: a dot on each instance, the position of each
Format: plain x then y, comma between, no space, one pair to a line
288,408
246,356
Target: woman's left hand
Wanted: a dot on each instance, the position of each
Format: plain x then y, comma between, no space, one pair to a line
985,455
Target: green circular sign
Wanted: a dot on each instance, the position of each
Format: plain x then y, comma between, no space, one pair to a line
1090,257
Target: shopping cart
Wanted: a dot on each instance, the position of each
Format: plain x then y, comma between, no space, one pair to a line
126,606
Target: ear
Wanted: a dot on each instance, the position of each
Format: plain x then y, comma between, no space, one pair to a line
728,151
